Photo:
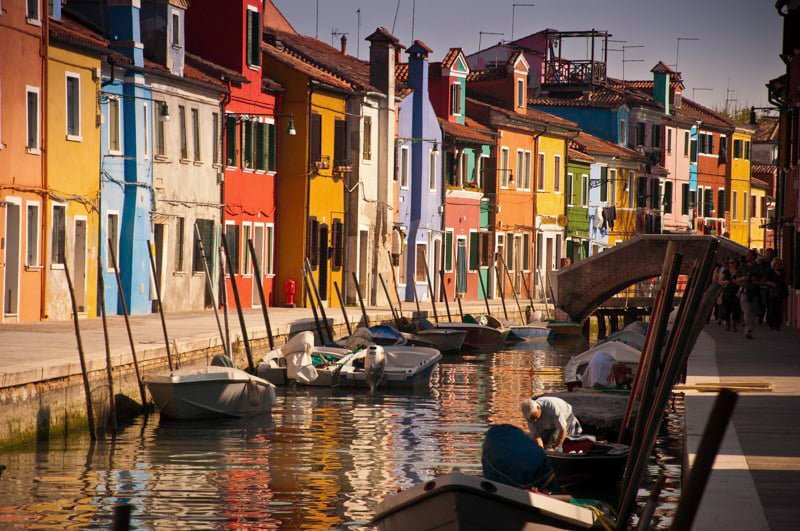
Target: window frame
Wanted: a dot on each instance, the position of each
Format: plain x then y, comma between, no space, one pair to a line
269,250
520,93
735,206
196,139
455,99
37,148
448,234
433,161
420,272
622,134
231,142
520,168
183,134
38,261
584,190
612,186
160,133
73,137
175,42
527,170
557,174
33,20
215,139
236,263
247,262
109,213
505,156
541,166
115,102
404,170
253,62
180,244
569,189
366,140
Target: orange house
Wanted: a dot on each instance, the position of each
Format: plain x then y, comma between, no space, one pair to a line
22,152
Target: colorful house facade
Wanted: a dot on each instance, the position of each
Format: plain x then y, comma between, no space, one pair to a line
577,197
22,159
741,212
253,126
73,134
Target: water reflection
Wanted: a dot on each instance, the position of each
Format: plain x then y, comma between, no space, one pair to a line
323,461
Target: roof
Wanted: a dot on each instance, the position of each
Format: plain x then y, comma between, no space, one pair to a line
270,85
662,68
594,145
189,72
321,61
763,175
273,18
694,111
383,35
532,115
213,69
610,96
450,57
470,131
420,48
401,72
646,85
487,74
68,30
767,129
574,154
292,60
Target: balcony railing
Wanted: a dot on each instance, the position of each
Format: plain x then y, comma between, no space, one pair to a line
575,72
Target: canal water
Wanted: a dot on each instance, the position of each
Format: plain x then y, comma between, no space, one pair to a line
323,460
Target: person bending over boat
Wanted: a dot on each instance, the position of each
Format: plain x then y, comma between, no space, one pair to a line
550,421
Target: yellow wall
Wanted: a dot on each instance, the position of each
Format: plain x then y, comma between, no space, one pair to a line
739,183
548,202
757,219
73,172
625,224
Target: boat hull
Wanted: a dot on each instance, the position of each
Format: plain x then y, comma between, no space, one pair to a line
277,376
531,333
460,502
479,338
209,400
446,341
593,475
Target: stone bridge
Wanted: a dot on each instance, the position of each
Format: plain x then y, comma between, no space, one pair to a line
580,288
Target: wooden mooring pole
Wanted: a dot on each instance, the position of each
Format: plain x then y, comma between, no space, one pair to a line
322,313
430,289
502,290
388,298
157,282
344,310
101,288
259,284
485,295
210,288
443,291
394,280
245,339
317,324
361,300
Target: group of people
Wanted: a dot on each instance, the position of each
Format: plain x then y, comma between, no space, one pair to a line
753,290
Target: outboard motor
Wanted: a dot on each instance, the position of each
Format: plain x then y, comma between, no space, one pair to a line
374,365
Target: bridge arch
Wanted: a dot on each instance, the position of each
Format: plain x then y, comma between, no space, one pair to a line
581,287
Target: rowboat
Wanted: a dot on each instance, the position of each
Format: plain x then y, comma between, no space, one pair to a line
445,341
531,332
301,362
589,469
621,353
478,337
402,367
459,501
210,392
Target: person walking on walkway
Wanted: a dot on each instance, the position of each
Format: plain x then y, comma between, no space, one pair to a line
550,421
730,302
778,292
749,293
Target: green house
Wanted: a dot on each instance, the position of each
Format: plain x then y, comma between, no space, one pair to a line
578,171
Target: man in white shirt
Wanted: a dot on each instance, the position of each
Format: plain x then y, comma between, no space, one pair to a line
550,421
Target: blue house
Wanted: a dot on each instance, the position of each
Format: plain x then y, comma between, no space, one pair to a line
126,152
419,172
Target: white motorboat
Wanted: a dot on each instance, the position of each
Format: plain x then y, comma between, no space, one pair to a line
301,362
403,366
629,337
621,353
210,392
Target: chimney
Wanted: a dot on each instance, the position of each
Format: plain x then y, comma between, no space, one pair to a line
418,66
662,77
382,58
344,44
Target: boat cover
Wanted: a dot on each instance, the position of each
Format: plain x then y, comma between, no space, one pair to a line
297,353
512,458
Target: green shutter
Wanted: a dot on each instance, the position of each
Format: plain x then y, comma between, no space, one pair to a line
474,248
448,251
684,199
271,147
603,184
230,141
259,146
256,42
249,43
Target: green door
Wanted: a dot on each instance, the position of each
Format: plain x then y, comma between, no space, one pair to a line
461,264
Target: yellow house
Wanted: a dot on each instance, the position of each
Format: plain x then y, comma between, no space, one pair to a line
312,165
70,218
740,196
758,214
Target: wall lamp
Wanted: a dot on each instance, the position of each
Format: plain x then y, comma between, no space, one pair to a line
435,148
290,128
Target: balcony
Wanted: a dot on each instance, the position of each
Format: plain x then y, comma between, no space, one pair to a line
582,72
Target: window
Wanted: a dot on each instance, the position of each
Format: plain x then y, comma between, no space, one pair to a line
584,190
271,161
73,106
247,144
640,130
747,150
723,146
253,37
708,202
540,173
520,93
206,229
622,133
738,150
641,192
520,169
340,157
182,129
744,206
312,242
678,98
32,247
448,250
215,138
527,176
693,154
569,189
474,250
720,202
455,99
655,133
32,11
604,183
196,134
230,141
180,234
114,126
59,235
686,143
176,29
669,140
612,187
260,145
404,167
315,138
557,174
269,264
32,119
232,241
685,199
112,229
432,162
655,194
526,252
145,127
504,167
247,235
419,271
337,244
735,210
367,140
484,250
753,206
480,170
510,252
160,132
668,197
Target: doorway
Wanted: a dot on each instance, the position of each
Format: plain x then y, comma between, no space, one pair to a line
519,254
548,266
437,266
12,240
363,256
79,261
158,238
258,244
324,260
461,265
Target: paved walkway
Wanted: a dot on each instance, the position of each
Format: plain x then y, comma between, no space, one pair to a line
756,479
40,351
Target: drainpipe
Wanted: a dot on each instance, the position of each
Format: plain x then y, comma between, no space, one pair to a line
307,176
43,159
535,210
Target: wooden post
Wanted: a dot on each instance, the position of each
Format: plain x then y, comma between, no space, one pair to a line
514,291
416,299
444,296
502,290
460,309
391,306
544,293
223,299
121,520
101,288
84,372
430,289
528,289
157,283
396,291
121,293
322,313
320,329
344,310
361,300
262,298
250,364
485,295
210,288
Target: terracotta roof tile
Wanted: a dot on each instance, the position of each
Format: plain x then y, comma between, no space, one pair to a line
767,129
535,116
292,60
384,35
611,96
594,145
401,72
69,30
214,70
692,110
273,18
471,131
487,74
450,57
189,72
574,154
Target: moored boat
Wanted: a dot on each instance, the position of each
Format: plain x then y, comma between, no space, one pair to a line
531,331
458,501
301,362
589,469
402,367
621,353
446,341
210,392
479,338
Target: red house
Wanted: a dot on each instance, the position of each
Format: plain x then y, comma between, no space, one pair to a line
250,130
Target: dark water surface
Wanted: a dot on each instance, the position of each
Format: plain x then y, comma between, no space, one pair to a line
322,461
